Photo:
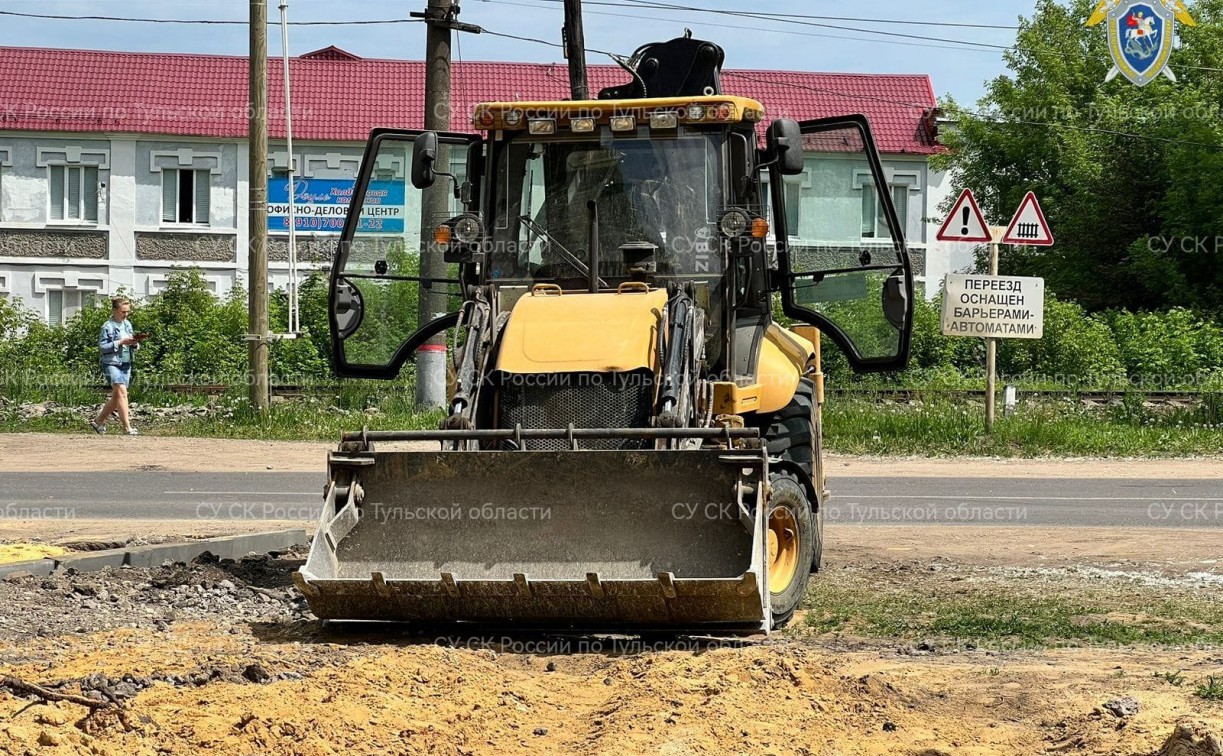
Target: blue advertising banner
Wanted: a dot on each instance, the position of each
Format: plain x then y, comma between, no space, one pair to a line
322,205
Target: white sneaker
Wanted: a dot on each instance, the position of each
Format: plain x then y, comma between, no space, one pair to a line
133,432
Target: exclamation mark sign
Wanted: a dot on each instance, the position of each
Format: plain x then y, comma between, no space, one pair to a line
964,230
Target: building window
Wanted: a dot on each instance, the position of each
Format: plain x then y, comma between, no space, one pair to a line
874,222
186,196
794,200
62,304
74,193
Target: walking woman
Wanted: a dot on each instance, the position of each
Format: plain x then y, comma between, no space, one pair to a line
117,344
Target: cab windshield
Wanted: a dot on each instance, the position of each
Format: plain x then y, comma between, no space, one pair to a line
657,202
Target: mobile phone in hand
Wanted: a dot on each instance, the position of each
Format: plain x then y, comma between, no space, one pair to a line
141,336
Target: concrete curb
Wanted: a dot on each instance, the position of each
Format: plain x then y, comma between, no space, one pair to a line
38,568
226,547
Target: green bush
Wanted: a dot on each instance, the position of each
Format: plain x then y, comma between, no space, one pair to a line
1173,349
199,338
1077,350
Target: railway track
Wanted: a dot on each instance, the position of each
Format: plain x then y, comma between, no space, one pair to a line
289,391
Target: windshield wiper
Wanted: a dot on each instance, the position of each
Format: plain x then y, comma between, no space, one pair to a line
565,254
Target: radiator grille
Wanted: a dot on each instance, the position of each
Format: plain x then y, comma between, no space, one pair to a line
585,400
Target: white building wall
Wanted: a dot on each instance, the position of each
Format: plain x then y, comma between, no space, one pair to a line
913,176
943,257
121,201
130,211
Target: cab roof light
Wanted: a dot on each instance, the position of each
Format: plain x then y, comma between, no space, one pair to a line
664,119
512,118
582,125
623,123
541,126
485,119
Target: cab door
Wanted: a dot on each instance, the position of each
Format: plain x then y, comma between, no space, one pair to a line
379,277
842,259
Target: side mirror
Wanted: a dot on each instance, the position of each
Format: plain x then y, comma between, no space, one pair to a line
896,302
424,155
785,145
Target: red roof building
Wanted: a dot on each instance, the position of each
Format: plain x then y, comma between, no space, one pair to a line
117,166
339,97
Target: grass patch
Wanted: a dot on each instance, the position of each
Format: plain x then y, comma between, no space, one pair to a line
1211,689
1009,612
941,427
313,417
1175,679
947,427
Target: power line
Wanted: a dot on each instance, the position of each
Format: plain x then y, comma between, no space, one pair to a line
490,33
983,116
967,45
757,16
951,44
210,22
926,106
784,16
737,27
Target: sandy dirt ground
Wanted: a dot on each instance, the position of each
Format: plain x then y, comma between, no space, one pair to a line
236,671
244,682
1171,552
374,695
55,452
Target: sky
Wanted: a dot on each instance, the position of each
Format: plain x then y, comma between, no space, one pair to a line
751,43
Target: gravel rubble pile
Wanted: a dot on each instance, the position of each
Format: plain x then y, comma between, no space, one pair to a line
226,592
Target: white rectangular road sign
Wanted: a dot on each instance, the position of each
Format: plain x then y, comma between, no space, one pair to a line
997,307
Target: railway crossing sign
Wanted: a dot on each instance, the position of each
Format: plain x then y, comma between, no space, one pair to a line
993,307
1029,227
966,222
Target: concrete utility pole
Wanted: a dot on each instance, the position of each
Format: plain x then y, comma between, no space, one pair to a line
575,50
257,260
991,345
431,357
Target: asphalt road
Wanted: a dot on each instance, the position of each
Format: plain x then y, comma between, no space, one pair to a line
868,501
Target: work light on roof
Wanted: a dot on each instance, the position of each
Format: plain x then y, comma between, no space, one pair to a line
542,126
664,119
623,123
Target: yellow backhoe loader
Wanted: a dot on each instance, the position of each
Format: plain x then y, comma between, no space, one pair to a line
633,441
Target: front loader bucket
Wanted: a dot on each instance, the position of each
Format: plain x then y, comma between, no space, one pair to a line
581,540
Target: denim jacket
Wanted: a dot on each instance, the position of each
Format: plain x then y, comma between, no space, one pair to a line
108,342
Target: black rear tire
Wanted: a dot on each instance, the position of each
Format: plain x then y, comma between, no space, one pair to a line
789,433
789,494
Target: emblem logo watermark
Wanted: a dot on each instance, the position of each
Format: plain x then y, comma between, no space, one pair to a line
1140,36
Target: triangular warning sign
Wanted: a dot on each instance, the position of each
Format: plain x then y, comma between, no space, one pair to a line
1029,226
966,223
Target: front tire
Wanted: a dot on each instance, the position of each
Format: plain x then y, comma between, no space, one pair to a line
792,539
790,436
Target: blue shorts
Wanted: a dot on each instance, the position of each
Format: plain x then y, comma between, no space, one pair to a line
118,374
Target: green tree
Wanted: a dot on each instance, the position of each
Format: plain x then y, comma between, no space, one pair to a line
1128,176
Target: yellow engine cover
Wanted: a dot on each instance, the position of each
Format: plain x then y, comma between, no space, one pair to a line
613,332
